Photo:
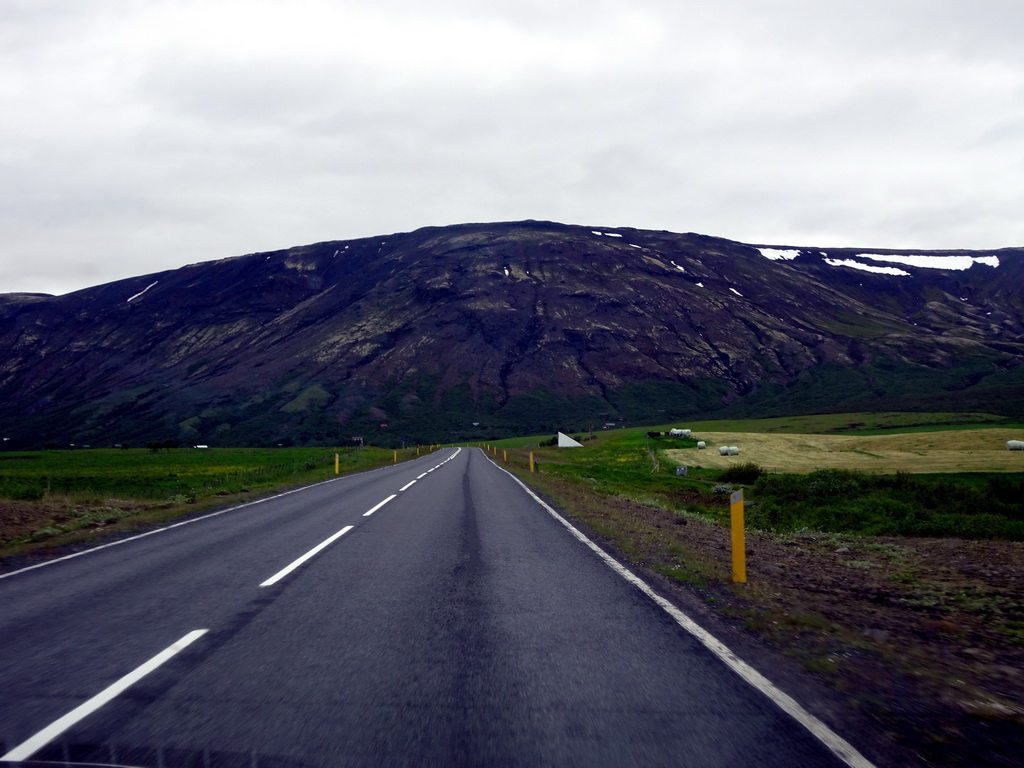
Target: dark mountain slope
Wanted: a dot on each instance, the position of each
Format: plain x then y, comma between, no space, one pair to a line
515,326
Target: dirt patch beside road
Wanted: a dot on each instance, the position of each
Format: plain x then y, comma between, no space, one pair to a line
41,520
974,450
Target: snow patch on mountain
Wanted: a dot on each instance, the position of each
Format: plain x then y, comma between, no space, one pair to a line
779,254
133,298
929,261
867,267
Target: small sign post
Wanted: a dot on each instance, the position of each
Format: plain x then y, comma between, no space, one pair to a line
739,553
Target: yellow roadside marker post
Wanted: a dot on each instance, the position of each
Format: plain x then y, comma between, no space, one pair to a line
531,461
396,458
337,468
739,552
505,456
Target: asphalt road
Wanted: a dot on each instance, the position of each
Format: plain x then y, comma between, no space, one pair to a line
458,624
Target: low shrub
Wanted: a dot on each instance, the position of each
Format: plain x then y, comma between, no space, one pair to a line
21,490
770,516
829,484
746,474
838,501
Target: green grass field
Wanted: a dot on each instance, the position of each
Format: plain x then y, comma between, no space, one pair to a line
830,423
48,498
165,474
625,462
856,423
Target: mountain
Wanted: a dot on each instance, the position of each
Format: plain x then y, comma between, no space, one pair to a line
491,329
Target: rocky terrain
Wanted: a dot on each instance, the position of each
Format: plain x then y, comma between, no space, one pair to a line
456,332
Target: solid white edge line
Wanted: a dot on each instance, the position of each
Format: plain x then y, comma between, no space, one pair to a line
57,727
300,560
836,743
378,506
407,485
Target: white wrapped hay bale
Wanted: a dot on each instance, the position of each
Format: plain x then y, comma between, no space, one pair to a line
701,444
734,451
1015,445
724,450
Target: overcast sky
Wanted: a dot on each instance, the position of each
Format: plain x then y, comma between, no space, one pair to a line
137,136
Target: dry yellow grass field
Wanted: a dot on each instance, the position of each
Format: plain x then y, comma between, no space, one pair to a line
974,450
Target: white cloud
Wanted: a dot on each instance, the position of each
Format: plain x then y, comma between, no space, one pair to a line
140,136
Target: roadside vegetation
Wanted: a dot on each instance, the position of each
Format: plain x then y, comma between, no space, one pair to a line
633,465
987,506
901,592
55,497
